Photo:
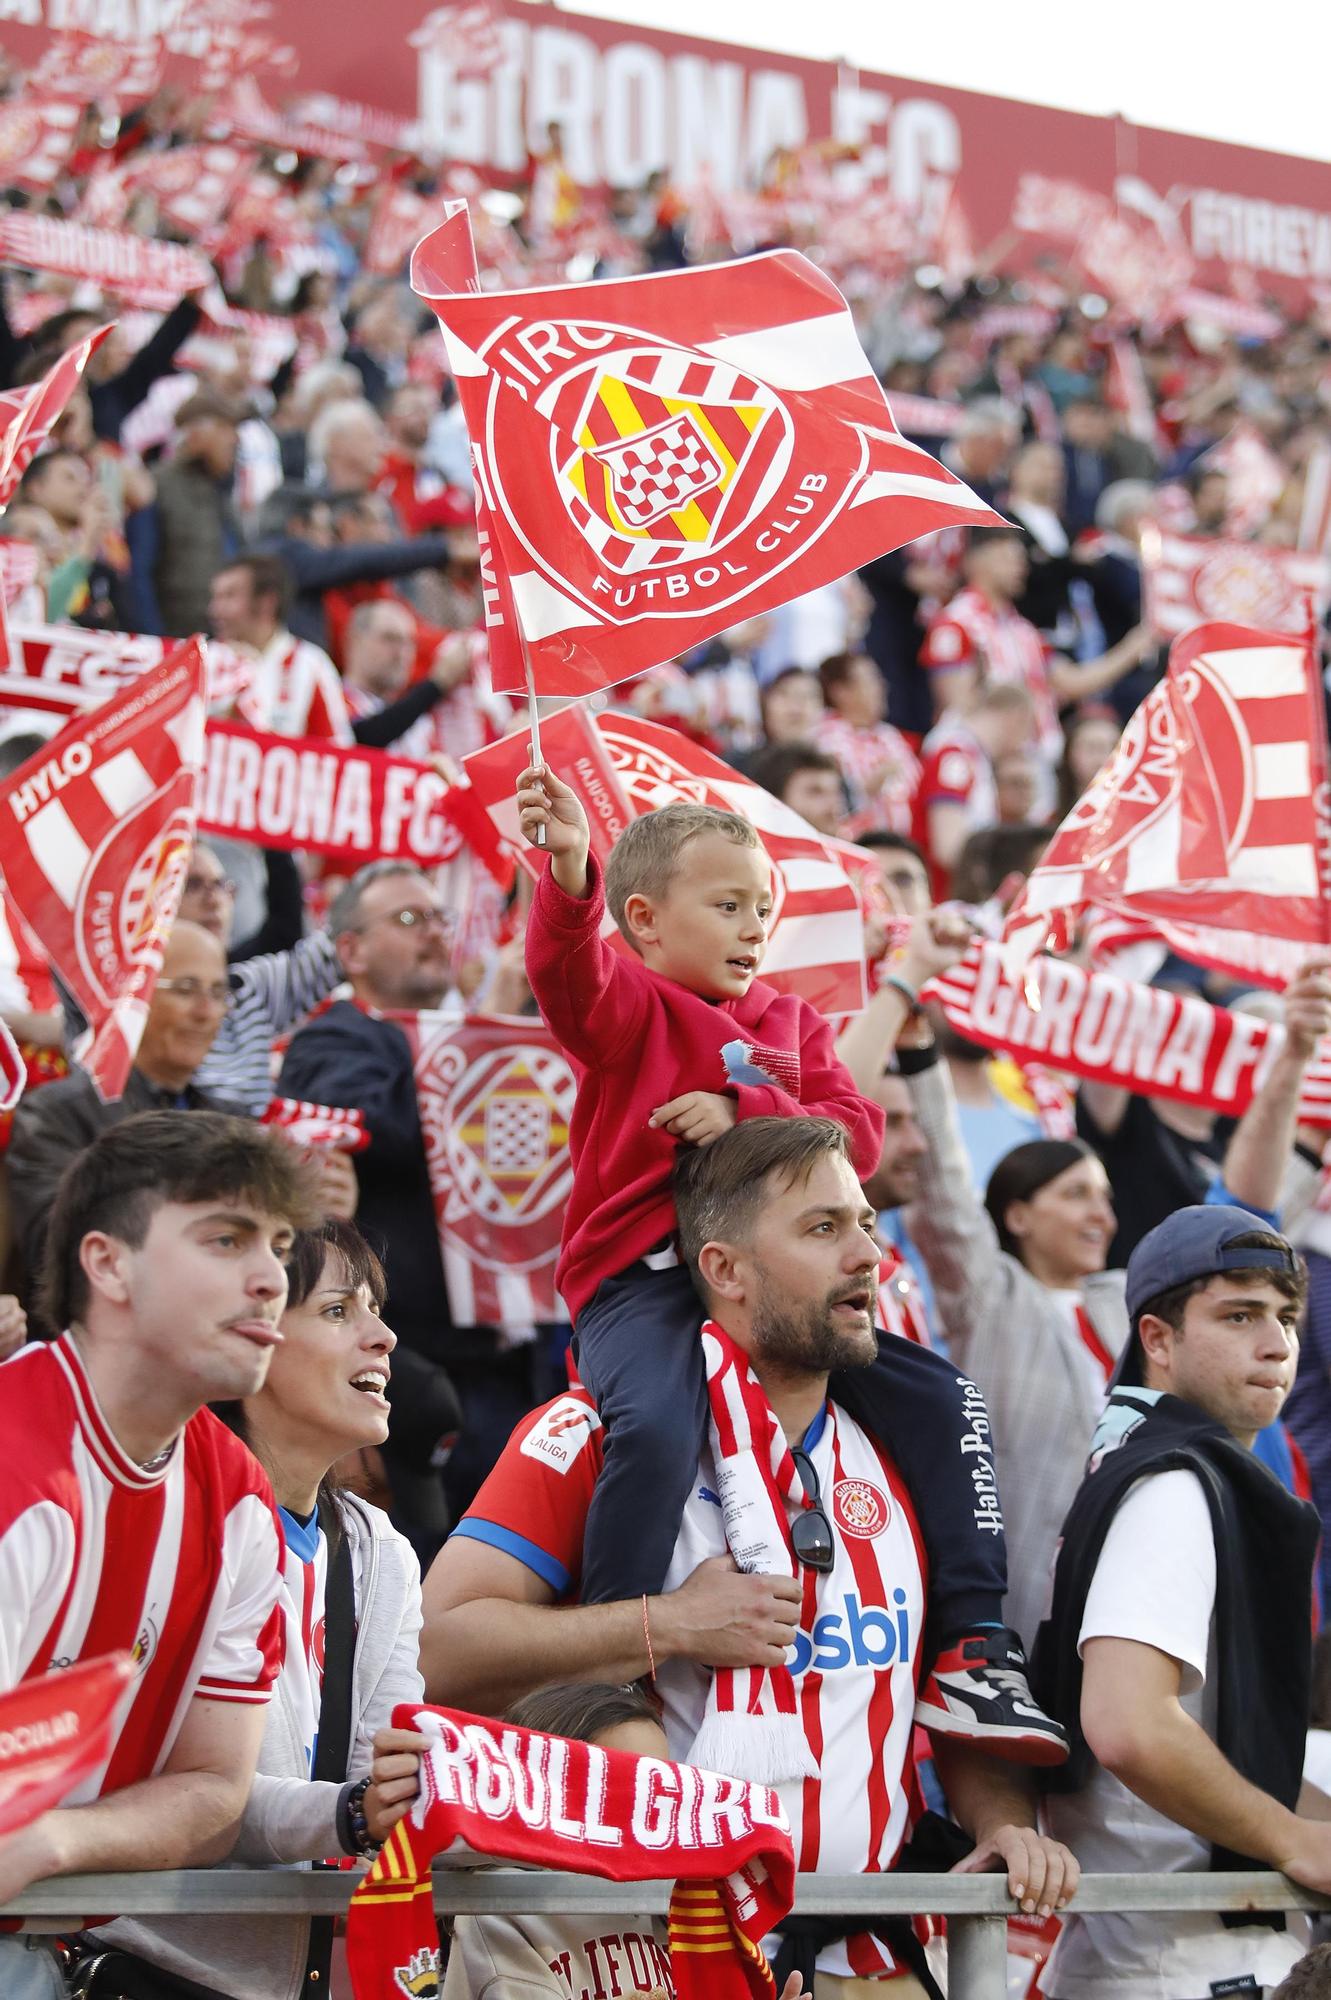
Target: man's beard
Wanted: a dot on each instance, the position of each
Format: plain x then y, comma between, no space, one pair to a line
808,1338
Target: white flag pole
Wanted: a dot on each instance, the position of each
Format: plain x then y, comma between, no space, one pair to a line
533,722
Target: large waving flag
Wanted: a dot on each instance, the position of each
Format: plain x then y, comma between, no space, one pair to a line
623,766
28,414
95,833
662,456
1211,814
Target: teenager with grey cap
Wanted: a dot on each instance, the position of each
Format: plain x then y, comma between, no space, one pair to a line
1177,1651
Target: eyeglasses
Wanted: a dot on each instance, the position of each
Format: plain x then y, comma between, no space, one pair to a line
217,992
407,920
811,1531
196,884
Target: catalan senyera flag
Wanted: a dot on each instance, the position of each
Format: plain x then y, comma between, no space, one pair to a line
660,457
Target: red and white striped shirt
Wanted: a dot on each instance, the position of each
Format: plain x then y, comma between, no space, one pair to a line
880,769
1002,647
955,771
855,1659
179,1566
295,690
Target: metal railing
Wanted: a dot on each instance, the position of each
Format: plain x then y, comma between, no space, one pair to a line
976,1906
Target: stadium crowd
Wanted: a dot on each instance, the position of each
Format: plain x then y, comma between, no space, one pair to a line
1066,1272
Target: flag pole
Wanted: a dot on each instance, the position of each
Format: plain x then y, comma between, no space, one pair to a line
533,720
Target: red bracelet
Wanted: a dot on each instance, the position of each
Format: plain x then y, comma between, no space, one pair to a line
647,1635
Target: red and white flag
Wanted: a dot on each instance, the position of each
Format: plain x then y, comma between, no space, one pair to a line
468,36
28,414
36,139
1255,476
95,831
192,186
54,1729
1212,809
136,268
495,1098
1128,391
1315,514
318,1124
665,455
397,222
89,69
63,670
622,766
1190,581
13,1070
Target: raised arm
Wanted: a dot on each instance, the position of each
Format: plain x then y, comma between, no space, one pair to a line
1258,1154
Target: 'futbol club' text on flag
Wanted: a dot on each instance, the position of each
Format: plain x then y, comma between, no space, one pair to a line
662,456
95,833
622,766
1213,809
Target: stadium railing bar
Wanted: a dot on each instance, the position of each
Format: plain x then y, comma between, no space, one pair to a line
976,1906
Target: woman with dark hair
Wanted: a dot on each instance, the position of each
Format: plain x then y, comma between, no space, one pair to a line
333,1777
494,1958
1022,1294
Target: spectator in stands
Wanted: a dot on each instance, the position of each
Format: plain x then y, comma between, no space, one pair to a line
53,1124
327,1782
422,498
905,587
1208,489
791,707
346,446
124,1497
190,531
294,688
500,1602
1018,787
877,764
1035,500
806,779
347,550
903,870
270,990
1090,738
82,583
1177,1644
981,450
381,646
391,936
550,1957
1088,428
377,349
957,793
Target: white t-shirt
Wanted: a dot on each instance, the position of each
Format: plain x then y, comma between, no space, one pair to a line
1154,1583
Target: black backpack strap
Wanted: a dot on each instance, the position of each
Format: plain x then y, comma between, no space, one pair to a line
333,1745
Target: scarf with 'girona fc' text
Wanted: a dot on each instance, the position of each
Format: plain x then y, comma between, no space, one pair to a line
549,1802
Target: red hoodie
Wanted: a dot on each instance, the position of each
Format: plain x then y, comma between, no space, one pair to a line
638,1040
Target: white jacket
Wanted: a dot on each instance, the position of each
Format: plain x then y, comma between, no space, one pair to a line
289,1819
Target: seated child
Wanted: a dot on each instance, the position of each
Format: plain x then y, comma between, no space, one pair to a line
674,1042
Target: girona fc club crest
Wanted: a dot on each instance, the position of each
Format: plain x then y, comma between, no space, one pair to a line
671,452
495,1100
862,1509
1242,584
131,890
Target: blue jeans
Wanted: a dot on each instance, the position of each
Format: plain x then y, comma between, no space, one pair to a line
28,1970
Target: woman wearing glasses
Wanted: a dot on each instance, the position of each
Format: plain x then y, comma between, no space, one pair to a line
333,1777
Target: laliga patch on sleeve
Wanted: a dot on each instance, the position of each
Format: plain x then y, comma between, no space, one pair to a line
945,645
562,1433
955,773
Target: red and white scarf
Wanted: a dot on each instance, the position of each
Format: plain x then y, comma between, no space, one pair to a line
752,1723
549,1802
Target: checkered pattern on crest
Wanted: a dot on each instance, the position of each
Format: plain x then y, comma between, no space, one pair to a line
517,1134
660,470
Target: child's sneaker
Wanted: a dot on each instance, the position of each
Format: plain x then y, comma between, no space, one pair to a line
978,1690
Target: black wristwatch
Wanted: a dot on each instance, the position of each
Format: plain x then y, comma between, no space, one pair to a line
353,1829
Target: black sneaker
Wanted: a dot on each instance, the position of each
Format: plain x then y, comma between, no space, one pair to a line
978,1690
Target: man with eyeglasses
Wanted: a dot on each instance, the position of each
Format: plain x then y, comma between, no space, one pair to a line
54,1123
779,1237
393,942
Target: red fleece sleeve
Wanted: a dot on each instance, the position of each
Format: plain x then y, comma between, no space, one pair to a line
591,996
826,1091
